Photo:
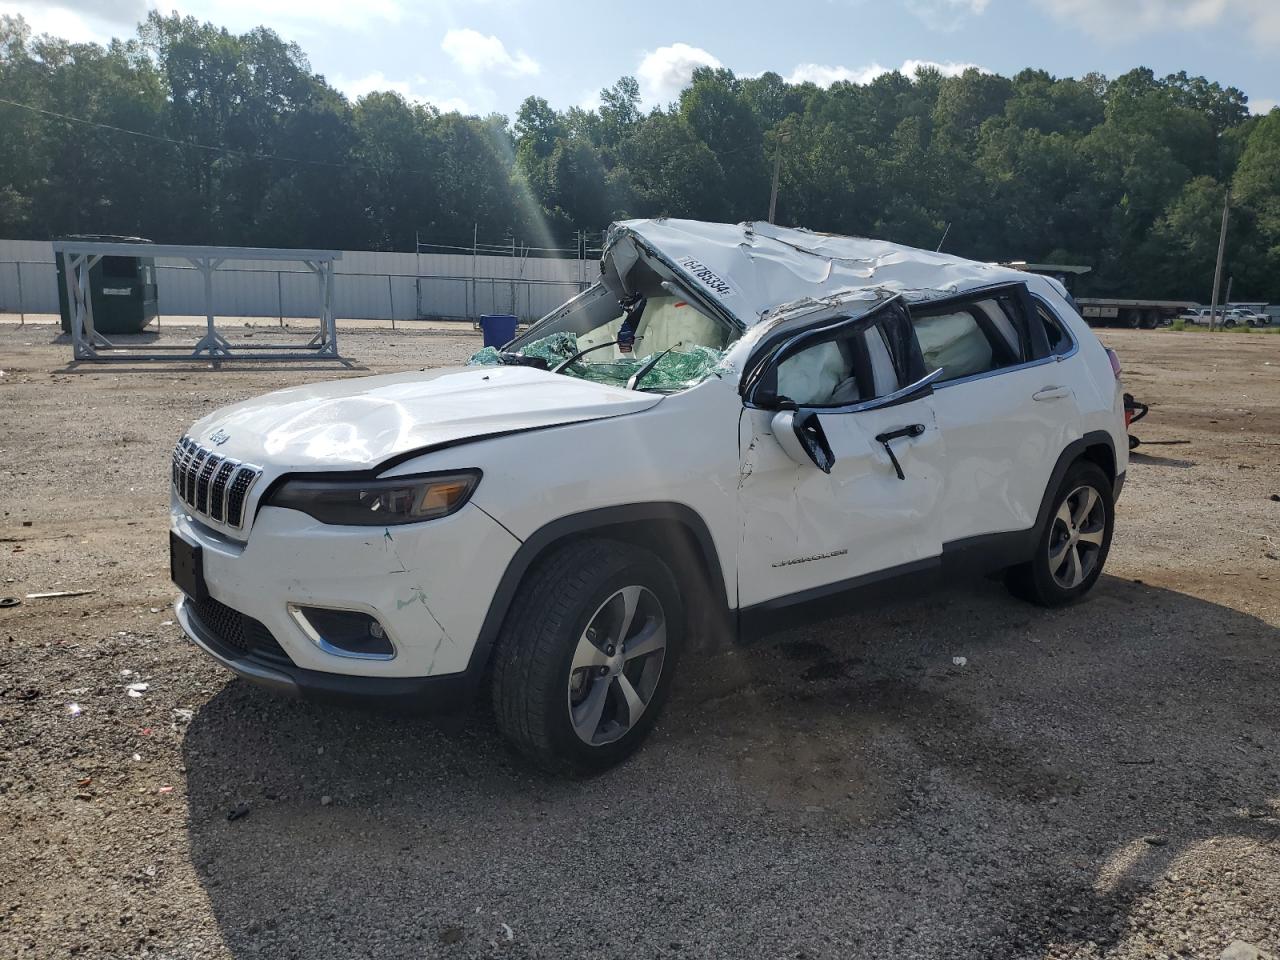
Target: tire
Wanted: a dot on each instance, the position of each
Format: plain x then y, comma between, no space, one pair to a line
545,705
1053,577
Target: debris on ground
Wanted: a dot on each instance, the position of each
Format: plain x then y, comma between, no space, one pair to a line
58,593
945,782
136,690
74,709
326,800
238,811
960,661
9,601
1240,950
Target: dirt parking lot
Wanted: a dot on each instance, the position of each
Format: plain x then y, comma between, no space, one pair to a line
1100,781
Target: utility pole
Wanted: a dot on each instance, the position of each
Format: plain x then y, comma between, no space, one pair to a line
1217,270
777,169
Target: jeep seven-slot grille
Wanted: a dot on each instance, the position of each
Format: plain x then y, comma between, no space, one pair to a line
213,487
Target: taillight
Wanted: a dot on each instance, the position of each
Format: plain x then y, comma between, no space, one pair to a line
1115,362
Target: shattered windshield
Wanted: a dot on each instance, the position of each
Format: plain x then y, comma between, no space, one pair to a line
662,337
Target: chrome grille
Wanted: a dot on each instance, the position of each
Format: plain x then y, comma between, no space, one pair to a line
212,486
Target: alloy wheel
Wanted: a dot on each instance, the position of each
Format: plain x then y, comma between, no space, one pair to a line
1075,542
617,665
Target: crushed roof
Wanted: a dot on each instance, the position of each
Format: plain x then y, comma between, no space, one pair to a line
752,269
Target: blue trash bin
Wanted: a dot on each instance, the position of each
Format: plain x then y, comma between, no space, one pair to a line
498,328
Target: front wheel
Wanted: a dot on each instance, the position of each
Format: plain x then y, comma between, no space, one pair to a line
585,657
1073,544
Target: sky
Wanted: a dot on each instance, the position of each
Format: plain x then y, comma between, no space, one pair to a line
481,56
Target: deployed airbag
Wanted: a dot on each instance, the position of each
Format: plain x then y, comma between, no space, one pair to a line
954,342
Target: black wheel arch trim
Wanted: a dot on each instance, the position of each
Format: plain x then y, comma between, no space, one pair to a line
1074,451
597,521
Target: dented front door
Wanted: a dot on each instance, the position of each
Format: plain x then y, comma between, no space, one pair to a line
806,530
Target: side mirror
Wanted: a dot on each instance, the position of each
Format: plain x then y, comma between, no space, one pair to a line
800,434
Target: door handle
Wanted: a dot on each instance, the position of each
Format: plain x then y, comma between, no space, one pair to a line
884,439
1051,393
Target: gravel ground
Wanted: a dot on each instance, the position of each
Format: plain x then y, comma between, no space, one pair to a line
1100,781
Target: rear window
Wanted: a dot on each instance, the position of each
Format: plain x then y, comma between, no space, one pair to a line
1055,332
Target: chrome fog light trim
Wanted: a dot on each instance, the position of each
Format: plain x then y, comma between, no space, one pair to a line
381,645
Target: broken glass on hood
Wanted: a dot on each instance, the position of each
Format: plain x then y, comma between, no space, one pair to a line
675,366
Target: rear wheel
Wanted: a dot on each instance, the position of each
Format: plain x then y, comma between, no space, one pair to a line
585,658
1074,542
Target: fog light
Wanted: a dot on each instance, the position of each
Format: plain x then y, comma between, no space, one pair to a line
345,633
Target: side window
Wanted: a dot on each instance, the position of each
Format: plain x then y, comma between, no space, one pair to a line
1055,332
965,338
854,364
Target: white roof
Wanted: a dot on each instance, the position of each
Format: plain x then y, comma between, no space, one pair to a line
753,268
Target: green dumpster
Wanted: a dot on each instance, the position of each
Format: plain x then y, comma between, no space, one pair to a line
121,289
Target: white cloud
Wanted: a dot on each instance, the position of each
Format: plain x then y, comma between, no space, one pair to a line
946,15
1125,19
98,21
664,72
77,22
371,83
475,52
377,82
1262,105
825,76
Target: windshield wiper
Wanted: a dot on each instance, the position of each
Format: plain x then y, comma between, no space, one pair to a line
582,353
520,360
647,368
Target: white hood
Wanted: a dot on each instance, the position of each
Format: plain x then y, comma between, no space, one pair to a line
358,423
750,269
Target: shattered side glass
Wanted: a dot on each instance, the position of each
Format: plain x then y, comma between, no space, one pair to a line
676,369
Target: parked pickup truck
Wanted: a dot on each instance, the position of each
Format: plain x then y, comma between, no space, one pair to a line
738,426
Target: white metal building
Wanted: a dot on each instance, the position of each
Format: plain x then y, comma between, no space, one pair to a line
368,285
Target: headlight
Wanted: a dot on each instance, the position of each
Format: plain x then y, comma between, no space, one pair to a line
377,503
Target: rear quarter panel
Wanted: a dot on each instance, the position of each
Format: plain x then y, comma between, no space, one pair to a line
1099,394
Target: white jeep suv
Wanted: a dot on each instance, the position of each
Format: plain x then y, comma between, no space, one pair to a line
735,427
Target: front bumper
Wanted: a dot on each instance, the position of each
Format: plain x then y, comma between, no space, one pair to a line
429,585
437,693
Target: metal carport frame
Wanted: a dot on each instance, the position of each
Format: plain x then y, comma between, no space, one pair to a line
88,344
